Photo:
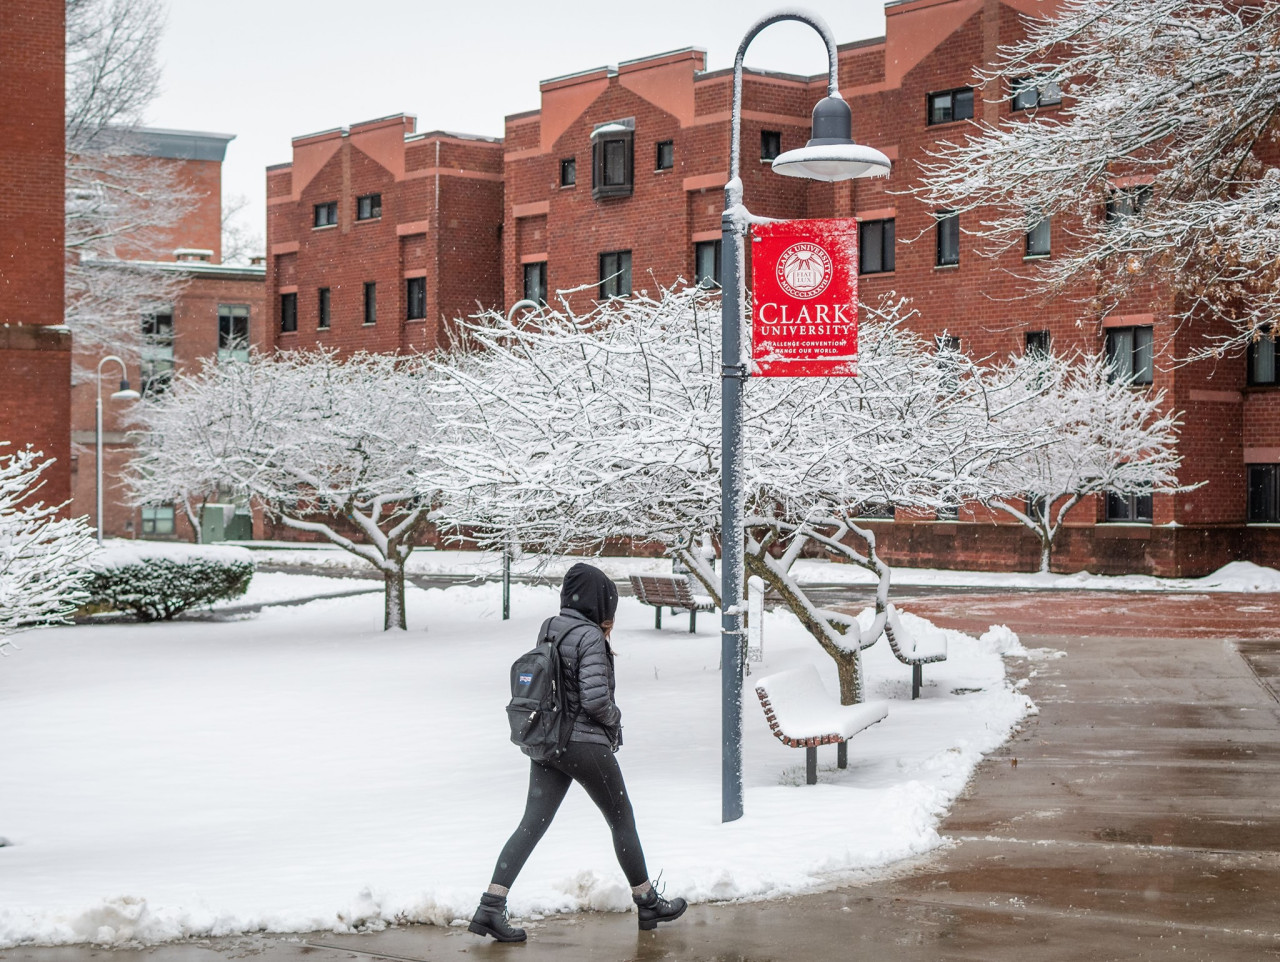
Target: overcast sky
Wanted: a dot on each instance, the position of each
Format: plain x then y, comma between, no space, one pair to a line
269,70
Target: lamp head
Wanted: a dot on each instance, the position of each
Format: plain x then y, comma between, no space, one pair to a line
831,153
125,393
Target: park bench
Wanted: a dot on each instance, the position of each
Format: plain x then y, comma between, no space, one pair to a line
669,591
912,651
801,714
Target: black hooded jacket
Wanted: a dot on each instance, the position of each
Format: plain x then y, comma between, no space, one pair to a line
587,599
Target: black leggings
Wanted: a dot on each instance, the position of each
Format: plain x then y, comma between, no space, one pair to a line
595,768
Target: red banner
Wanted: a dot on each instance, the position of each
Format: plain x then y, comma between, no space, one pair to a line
805,298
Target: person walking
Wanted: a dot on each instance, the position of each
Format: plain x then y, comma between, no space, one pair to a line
588,601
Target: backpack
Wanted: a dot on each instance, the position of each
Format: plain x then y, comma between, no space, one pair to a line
540,724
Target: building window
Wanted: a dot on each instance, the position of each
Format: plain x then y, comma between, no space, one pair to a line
1262,360
535,281
568,172
1036,344
770,144
615,274
666,158
415,298
233,330
157,519
288,312
948,238
612,161
874,510
875,246
1037,507
370,302
948,105
1027,94
706,263
1124,202
1131,354
323,302
369,207
1264,494
326,214
156,353
1038,239
1128,507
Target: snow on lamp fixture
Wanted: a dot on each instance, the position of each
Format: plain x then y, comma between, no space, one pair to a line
831,153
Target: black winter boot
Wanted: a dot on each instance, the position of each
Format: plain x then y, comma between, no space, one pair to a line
654,909
491,919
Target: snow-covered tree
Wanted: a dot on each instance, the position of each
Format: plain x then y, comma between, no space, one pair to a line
1167,138
336,448
1102,435
41,554
564,430
121,208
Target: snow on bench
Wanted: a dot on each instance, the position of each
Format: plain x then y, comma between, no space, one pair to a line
913,651
669,591
801,714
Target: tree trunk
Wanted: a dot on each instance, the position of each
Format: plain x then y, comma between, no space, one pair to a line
394,616
1045,547
849,671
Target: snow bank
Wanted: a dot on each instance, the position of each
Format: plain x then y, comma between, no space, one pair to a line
303,770
117,552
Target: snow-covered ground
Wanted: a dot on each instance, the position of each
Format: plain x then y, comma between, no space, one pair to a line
1236,576
301,769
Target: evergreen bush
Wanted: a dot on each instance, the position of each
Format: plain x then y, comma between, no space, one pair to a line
154,581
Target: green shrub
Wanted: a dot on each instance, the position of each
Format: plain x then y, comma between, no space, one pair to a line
154,581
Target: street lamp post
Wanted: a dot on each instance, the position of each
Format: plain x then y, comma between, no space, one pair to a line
124,394
506,547
829,155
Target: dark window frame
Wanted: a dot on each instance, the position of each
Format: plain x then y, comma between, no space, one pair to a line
156,355
1260,357
289,312
568,171
668,155
1262,494
770,144
700,250
1036,343
370,303
1134,508
879,236
231,340
369,207
535,272
947,227
1138,367
162,516
613,159
1040,239
960,100
1125,202
615,274
415,298
324,308
1027,94
324,215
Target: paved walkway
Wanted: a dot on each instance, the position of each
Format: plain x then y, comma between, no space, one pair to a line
1136,817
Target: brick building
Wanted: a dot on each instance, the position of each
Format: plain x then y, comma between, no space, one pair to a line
35,349
377,235
218,313
615,184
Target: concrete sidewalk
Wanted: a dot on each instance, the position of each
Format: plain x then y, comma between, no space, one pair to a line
1136,817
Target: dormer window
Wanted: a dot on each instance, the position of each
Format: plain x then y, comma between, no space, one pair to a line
613,158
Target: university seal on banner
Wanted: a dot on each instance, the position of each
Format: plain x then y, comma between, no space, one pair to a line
804,270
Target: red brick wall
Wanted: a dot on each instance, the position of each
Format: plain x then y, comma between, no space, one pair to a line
34,363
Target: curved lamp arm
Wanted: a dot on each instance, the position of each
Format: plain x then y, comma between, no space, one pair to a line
735,121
